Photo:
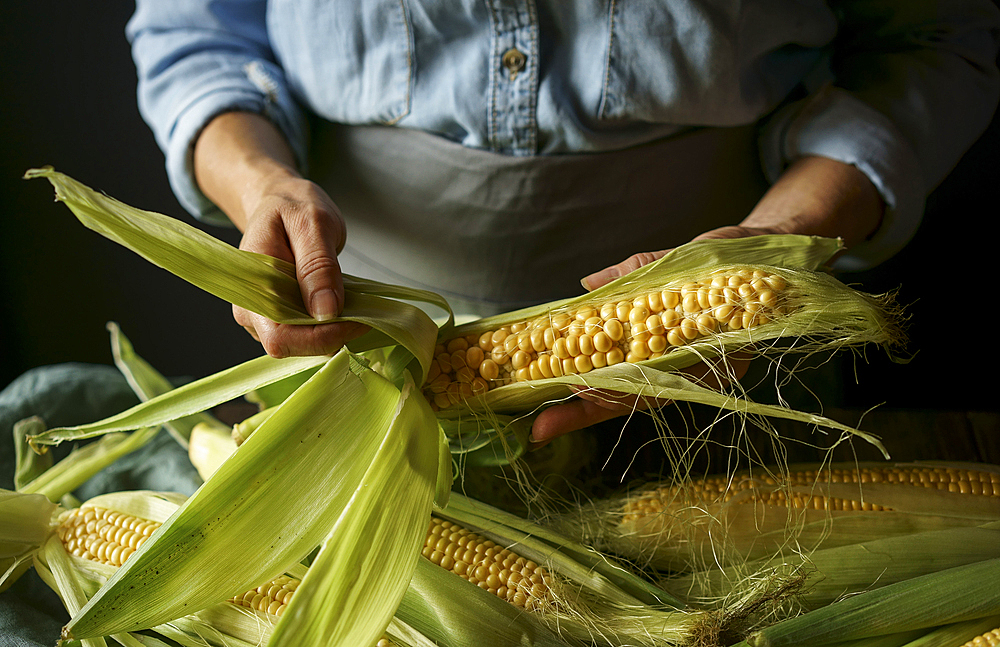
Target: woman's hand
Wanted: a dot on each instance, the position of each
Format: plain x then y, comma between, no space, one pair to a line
244,165
815,196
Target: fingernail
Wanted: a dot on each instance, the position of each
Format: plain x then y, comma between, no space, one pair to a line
597,279
324,305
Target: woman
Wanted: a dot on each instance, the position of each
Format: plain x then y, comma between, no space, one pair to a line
499,151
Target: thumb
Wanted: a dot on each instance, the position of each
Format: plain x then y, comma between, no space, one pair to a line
322,284
317,269
609,274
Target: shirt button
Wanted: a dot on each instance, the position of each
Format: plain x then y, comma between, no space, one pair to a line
514,61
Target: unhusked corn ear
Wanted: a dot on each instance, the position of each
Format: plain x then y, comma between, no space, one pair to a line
767,488
988,639
645,327
493,568
762,514
103,535
110,537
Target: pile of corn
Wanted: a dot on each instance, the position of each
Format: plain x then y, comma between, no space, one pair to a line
371,446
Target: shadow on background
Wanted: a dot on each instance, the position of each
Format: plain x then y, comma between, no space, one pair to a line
69,101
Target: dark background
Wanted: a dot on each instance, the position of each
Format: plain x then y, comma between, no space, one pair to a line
69,100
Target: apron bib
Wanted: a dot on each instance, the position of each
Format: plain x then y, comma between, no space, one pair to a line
492,233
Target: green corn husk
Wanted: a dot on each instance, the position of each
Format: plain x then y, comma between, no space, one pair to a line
596,600
326,443
956,635
189,399
949,596
832,573
28,465
827,316
696,530
76,579
147,383
85,461
256,282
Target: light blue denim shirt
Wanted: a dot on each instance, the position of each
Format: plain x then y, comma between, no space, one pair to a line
898,88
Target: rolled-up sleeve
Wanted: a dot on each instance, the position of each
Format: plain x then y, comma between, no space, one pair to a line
196,59
911,85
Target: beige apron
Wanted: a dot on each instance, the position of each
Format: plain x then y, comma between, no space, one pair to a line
493,233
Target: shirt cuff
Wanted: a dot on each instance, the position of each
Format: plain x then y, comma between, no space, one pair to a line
833,123
257,94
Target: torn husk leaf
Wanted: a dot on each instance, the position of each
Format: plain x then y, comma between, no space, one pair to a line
28,465
259,283
186,400
367,559
298,471
85,461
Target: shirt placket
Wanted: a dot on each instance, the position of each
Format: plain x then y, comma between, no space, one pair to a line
513,126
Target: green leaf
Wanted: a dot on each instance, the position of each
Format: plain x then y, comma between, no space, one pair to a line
353,587
188,399
28,465
258,283
86,461
265,508
951,595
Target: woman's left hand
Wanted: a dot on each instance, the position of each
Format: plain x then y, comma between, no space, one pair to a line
815,196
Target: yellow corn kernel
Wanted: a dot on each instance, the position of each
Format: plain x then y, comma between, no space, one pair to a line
625,331
988,639
103,535
493,568
721,489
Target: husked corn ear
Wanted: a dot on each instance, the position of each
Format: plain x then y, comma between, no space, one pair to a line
988,639
493,568
721,489
103,535
579,341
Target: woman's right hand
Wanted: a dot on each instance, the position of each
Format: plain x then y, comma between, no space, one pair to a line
244,165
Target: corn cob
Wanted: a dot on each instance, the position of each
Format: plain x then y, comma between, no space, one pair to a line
988,639
590,337
720,489
493,568
110,537
730,519
106,536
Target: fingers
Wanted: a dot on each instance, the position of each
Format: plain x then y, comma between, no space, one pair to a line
609,274
284,340
315,238
298,222
570,416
